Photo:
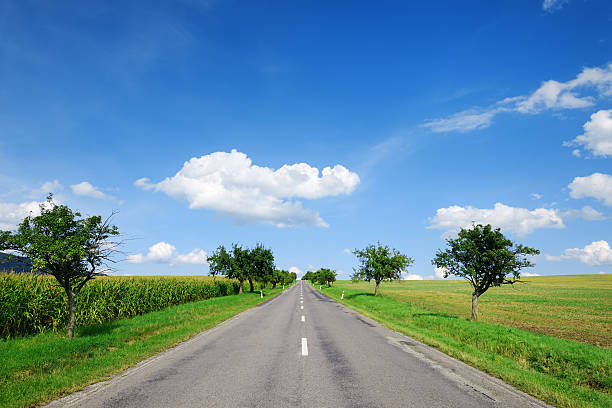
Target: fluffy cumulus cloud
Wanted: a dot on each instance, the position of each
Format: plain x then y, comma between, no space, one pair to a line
230,184
597,253
597,185
86,189
439,272
550,95
298,271
162,252
597,137
520,221
411,276
12,214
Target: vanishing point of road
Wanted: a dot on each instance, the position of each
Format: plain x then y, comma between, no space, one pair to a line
300,349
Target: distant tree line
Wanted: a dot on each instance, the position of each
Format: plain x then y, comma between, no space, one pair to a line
322,276
248,264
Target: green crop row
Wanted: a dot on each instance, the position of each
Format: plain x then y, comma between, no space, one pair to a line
35,303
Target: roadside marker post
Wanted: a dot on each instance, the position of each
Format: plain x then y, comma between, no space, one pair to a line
342,297
261,293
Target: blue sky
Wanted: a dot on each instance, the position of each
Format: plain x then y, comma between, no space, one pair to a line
313,127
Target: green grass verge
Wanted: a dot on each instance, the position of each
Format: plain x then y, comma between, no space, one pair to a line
561,372
38,369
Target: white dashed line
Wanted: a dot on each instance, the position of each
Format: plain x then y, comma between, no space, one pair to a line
304,346
303,318
302,307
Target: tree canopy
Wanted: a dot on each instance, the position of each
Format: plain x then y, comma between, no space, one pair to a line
242,264
485,258
379,262
61,243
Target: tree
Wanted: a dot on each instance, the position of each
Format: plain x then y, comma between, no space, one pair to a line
378,262
308,276
61,243
261,265
281,276
232,264
484,257
325,276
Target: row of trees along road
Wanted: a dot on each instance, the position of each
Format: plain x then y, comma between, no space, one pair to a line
323,276
74,250
480,254
252,265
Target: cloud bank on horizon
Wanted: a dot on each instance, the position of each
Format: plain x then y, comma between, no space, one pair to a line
231,185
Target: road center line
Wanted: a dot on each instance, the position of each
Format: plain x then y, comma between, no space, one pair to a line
304,346
303,318
302,307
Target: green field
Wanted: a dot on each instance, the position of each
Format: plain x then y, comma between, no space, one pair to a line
36,303
37,369
550,336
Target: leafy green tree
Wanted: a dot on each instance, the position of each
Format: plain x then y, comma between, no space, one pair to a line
308,276
485,257
72,249
233,264
261,265
378,263
293,277
326,276
281,276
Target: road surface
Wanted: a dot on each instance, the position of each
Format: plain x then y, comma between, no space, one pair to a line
301,349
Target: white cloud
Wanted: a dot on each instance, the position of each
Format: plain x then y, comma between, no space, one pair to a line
550,95
231,185
86,189
535,196
587,213
411,276
597,185
298,271
162,252
439,272
597,137
12,214
552,5
520,221
346,251
465,121
528,274
597,253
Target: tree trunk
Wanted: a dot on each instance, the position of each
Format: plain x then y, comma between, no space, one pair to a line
376,289
251,284
274,285
72,313
475,305
240,291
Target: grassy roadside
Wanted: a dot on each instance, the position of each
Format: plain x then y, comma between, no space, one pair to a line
561,372
38,369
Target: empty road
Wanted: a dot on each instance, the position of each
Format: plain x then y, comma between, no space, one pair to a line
301,349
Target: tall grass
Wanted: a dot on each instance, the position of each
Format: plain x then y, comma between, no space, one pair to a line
35,303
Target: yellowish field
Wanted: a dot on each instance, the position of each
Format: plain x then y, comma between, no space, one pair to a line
576,307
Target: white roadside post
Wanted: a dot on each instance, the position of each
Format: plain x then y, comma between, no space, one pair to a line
319,287
261,293
342,297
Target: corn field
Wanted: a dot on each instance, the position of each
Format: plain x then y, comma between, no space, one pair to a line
34,303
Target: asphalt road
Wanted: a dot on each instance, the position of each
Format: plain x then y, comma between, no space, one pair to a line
301,349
